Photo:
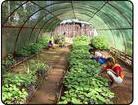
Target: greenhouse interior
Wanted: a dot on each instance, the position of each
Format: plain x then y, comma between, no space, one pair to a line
67,52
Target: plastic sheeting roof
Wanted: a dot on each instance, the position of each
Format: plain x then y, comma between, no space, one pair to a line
26,20
74,20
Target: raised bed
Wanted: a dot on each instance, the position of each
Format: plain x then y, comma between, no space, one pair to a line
61,85
121,56
39,82
20,59
32,88
61,89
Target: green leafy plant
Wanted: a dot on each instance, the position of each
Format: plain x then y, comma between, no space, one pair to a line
33,48
19,79
12,94
59,39
37,64
43,41
100,42
7,62
82,85
15,86
30,49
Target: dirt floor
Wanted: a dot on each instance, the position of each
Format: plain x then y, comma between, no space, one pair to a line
123,92
49,90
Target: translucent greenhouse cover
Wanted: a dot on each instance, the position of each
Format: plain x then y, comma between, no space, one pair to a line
73,20
23,22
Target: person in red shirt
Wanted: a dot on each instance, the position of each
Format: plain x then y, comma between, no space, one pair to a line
114,71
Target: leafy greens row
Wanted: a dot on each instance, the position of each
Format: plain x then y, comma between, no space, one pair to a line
83,87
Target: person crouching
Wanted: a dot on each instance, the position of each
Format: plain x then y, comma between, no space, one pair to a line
114,71
50,44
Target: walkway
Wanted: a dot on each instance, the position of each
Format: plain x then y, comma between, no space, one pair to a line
47,93
57,58
124,91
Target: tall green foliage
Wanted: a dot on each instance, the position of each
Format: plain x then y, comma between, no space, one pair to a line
59,39
33,48
100,42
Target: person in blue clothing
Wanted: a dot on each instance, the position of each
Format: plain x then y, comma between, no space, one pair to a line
98,57
101,60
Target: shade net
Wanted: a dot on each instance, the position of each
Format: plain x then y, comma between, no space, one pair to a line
24,22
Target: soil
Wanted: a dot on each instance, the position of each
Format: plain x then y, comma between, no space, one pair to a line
48,91
123,92
57,58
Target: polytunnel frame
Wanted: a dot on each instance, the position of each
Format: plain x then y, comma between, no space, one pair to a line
86,14
41,8
57,3
25,23
38,21
13,11
111,18
46,21
95,8
63,13
73,9
120,13
98,11
44,25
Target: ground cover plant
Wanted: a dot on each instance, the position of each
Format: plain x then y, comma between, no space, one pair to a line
15,87
26,51
83,86
7,62
100,42
33,48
